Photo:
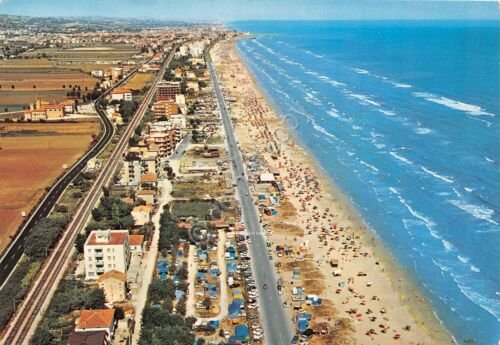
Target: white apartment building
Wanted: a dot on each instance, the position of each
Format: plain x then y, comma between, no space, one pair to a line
106,250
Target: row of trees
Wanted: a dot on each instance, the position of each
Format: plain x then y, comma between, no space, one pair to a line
159,324
71,295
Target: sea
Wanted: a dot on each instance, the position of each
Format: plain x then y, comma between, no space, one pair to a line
404,119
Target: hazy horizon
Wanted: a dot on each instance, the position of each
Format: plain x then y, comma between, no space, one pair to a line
229,11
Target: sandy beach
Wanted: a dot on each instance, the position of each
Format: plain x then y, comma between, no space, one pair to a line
366,297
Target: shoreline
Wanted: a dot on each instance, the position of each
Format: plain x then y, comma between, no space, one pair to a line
403,287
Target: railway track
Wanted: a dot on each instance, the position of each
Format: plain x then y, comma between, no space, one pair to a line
32,308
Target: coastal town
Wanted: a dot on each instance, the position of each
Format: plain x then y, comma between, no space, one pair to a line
176,213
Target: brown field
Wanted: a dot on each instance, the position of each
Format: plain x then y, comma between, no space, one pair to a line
138,81
29,163
25,63
86,67
52,79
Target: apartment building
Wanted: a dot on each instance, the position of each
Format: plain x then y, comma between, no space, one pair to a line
166,90
165,108
121,94
106,250
131,170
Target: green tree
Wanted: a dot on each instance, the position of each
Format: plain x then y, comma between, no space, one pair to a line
42,336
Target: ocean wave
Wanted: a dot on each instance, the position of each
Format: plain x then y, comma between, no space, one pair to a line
479,212
387,112
448,246
463,259
308,52
333,113
467,189
361,71
401,158
436,175
429,223
422,131
489,160
369,166
312,73
357,128
474,269
492,306
364,99
323,130
311,98
350,154
336,83
470,109
401,85
441,266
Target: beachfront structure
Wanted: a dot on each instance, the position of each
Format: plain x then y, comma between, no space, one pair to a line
106,250
166,90
113,283
121,94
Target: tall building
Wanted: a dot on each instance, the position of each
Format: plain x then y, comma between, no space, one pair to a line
166,90
106,250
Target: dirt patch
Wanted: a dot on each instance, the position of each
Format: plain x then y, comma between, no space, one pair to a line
287,229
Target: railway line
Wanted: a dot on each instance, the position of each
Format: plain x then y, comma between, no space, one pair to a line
19,330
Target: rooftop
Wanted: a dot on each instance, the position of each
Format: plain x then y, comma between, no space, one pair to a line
98,318
107,237
113,274
136,240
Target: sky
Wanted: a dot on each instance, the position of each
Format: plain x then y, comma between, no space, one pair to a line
233,10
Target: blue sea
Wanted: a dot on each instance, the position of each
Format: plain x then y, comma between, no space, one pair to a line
404,118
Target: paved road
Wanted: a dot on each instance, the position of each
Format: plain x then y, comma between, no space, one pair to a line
29,313
277,325
15,250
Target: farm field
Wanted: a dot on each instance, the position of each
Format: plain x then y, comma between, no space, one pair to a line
31,158
138,81
53,72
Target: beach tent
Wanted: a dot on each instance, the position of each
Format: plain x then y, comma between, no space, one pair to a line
241,332
178,294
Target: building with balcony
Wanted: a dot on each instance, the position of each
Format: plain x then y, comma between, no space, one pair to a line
166,90
106,250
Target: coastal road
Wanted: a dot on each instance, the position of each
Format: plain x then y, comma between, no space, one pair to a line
37,299
277,325
16,248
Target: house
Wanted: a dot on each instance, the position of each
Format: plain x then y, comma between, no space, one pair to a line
113,284
121,94
106,250
149,181
147,195
96,320
35,115
89,338
141,215
136,243
117,73
53,111
69,106
98,73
